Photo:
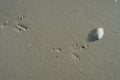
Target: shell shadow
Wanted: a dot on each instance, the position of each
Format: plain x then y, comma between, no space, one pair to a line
92,36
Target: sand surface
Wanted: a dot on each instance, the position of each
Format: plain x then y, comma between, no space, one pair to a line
47,40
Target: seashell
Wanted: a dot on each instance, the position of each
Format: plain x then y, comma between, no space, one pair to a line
96,34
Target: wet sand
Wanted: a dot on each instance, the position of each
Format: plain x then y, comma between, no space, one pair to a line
47,40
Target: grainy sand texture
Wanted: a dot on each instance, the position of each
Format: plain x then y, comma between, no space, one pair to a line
48,40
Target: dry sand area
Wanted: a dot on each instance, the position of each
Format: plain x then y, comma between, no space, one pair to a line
47,40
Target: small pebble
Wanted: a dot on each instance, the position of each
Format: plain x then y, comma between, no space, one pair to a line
58,49
96,34
5,24
76,45
84,46
21,17
17,29
52,49
75,56
23,27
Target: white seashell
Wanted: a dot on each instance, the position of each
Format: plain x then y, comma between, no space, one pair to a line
100,33
96,34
